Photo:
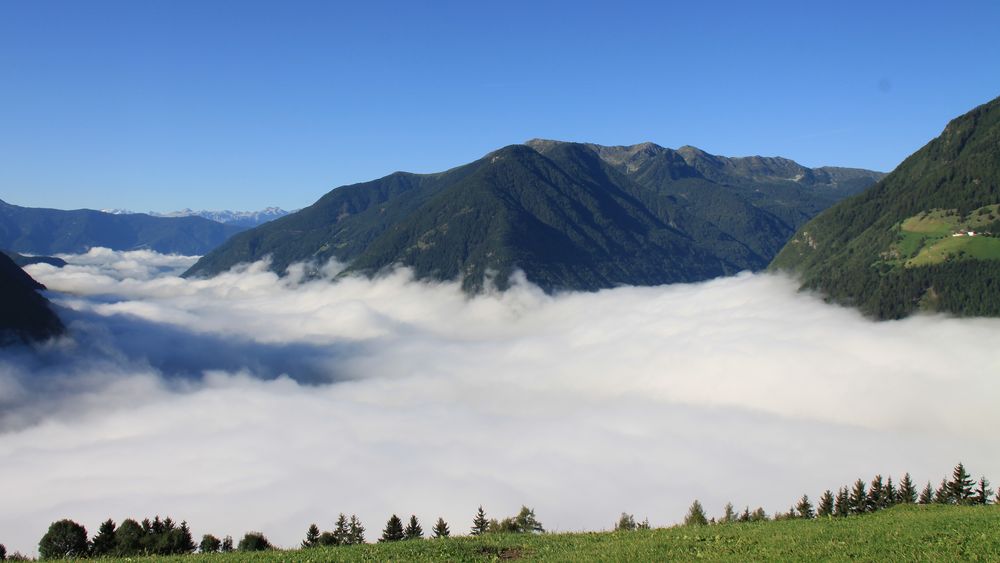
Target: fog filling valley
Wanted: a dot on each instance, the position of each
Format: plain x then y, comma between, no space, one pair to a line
253,402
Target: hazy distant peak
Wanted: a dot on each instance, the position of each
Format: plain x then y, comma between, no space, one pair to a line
240,218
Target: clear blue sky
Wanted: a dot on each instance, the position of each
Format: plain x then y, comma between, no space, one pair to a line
160,105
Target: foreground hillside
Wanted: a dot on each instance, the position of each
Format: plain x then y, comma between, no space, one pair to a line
571,216
25,315
926,237
903,533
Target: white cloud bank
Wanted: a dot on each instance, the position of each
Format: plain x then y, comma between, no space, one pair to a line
251,402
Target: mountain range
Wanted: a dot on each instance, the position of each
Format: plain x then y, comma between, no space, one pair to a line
51,231
239,218
925,238
571,216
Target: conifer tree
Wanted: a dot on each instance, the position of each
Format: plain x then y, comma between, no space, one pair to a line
209,544
413,530
644,525
729,514
874,501
312,537
758,515
926,495
183,542
943,493
826,503
858,503
695,515
355,531
480,524
842,505
440,529
393,530
341,533
960,486
745,516
983,492
104,542
227,544
889,494
907,492
805,508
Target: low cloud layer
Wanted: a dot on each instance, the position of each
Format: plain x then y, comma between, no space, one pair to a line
252,402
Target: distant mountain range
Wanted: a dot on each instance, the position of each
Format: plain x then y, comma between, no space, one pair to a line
570,215
51,231
239,218
927,237
24,314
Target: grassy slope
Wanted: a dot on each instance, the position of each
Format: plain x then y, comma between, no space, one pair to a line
904,533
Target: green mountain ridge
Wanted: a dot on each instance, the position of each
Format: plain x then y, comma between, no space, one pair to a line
52,231
570,215
866,250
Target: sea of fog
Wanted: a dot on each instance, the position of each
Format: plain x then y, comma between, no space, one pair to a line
252,402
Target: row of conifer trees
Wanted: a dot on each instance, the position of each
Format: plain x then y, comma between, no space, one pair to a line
66,538
860,498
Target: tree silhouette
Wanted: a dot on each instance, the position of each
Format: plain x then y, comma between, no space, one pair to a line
440,529
875,500
859,498
943,493
413,530
227,544
209,544
527,522
254,541
983,492
104,542
341,531
728,513
695,515
960,486
826,503
64,539
907,492
805,508
393,530
890,496
480,524
355,531
926,495
625,523
312,537
842,506
129,538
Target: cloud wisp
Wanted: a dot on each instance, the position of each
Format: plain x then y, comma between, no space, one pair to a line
251,402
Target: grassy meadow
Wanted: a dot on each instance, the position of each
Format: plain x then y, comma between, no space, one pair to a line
926,238
902,533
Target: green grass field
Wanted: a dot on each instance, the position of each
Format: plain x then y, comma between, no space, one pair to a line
903,533
926,238
962,248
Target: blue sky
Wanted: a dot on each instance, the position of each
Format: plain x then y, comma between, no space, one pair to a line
240,105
